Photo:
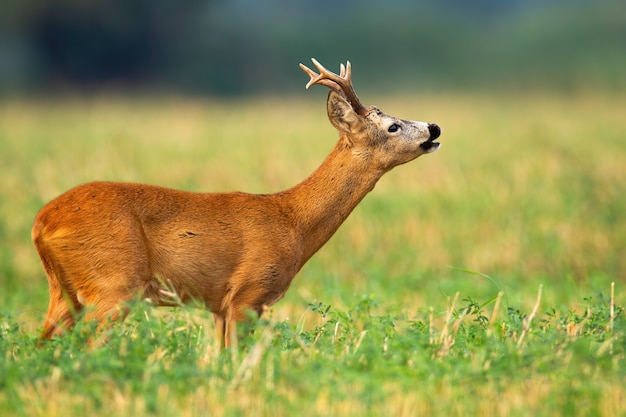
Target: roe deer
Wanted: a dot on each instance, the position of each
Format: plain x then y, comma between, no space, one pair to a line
104,243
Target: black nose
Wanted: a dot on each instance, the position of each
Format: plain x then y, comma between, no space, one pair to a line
434,131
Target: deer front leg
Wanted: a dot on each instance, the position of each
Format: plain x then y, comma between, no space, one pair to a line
225,331
226,327
244,298
230,333
220,329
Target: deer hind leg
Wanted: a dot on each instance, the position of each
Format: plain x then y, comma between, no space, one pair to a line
110,288
103,285
107,311
67,303
87,271
64,305
62,310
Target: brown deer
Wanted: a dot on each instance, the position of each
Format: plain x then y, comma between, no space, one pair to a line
104,243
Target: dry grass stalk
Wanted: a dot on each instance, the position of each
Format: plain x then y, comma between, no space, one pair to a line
494,313
529,319
447,340
612,308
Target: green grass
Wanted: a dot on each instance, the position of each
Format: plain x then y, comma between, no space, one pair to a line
527,191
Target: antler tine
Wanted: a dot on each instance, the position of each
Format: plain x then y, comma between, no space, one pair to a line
341,83
342,70
347,72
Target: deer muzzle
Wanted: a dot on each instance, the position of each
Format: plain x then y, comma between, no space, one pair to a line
434,130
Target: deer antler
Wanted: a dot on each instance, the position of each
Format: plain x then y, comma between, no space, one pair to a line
341,83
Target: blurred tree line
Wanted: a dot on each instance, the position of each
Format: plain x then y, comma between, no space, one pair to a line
222,47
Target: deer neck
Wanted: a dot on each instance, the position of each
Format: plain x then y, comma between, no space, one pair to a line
324,200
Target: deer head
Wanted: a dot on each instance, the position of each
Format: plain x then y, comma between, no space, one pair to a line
379,138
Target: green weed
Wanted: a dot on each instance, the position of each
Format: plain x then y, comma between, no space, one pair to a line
344,361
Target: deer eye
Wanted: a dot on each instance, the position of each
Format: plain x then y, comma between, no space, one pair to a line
393,128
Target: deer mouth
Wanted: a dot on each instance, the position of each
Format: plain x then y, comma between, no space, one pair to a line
430,145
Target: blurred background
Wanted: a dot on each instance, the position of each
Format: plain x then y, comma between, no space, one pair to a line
528,187
222,48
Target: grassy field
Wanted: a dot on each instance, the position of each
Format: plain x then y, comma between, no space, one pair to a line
476,280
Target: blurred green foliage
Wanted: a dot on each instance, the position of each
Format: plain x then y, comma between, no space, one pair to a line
243,46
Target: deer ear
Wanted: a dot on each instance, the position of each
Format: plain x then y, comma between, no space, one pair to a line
341,114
